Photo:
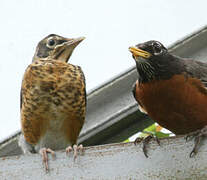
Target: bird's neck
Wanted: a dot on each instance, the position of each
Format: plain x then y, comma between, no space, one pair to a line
159,69
145,72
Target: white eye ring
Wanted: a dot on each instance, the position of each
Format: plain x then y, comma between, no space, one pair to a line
157,48
51,43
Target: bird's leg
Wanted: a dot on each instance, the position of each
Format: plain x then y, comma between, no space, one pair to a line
146,140
198,135
44,152
76,149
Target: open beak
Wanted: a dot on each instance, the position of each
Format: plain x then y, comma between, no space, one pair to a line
139,52
66,49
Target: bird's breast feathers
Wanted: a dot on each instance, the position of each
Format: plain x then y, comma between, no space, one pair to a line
53,100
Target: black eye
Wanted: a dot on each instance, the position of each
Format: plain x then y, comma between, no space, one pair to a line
51,43
157,48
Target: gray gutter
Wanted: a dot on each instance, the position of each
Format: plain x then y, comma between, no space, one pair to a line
114,161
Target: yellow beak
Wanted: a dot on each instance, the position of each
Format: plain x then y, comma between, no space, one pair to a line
139,53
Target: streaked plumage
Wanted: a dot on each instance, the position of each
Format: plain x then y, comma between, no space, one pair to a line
53,97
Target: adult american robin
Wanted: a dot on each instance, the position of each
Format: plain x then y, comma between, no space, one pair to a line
53,99
171,90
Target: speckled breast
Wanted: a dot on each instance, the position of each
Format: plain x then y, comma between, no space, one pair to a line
53,101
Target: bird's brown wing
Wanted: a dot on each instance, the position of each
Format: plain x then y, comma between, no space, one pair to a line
25,146
84,84
30,103
21,99
77,110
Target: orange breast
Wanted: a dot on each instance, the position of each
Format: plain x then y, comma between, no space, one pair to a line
178,104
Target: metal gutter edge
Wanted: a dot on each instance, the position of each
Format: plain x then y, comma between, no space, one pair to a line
114,161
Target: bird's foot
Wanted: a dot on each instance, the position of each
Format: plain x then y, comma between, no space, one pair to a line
44,152
198,136
76,149
146,140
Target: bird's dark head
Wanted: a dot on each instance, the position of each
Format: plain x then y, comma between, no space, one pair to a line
54,47
153,61
148,52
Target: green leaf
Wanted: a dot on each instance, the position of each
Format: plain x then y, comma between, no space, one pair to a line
127,140
161,134
151,128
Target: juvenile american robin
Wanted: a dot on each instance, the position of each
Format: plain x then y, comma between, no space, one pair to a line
53,99
171,90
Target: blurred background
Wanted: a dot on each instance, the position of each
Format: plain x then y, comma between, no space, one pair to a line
110,27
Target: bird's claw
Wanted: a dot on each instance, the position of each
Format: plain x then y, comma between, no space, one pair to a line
145,141
138,140
191,135
198,135
44,152
76,149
